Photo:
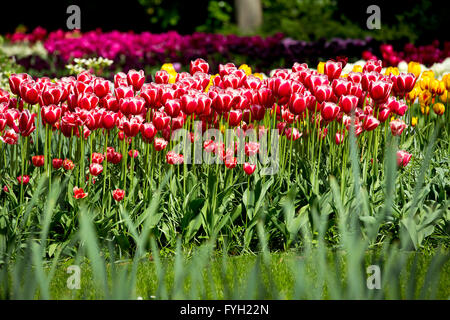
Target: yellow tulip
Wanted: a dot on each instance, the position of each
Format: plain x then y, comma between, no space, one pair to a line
425,82
428,73
446,80
439,108
413,94
422,109
413,121
259,76
246,68
425,98
321,67
444,97
357,68
414,67
392,70
436,87
172,77
168,67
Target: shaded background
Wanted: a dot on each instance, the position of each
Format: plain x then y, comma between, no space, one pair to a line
403,21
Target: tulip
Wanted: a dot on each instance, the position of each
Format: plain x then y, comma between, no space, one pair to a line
38,161
251,148
50,114
380,90
9,137
23,179
323,93
174,158
230,162
292,134
133,153
348,103
257,112
160,120
15,80
332,70
97,157
118,194
78,193
101,87
148,131
403,83
439,108
339,138
95,169
132,105
370,123
249,168
383,114
52,94
373,65
159,144
68,164
29,91
88,101
329,111
131,127
403,158
26,123
341,87
57,163
136,79
297,103
109,120
234,117
172,107
198,65
397,127
123,92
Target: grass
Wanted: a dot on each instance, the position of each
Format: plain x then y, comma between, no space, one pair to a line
230,279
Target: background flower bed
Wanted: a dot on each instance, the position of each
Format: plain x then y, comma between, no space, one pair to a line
149,51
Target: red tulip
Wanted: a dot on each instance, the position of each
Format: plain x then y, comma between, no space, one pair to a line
323,93
52,93
57,163
370,123
339,138
95,169
136,79
131,127
403,158
132,105
172,107
133,153
403,83
397,127
199,65
78,193
341,86
23,179
373,65
26,123
88,101
50,114
298,103
109,102
189,104
101,87
120,79
230,162
159,144
68,164
234,117
332,69
97,157
292,133
148,131
160,120
38,161
348,103
249,168
174,158
9,137
329,111
29,91
123,92
251,148
109,120
383,114
15,80
380,90
118,194
162,76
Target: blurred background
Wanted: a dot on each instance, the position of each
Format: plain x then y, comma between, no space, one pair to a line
266,34
418,21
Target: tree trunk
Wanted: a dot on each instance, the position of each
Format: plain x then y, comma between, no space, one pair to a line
249,15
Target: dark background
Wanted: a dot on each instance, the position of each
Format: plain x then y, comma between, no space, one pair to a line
429,18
